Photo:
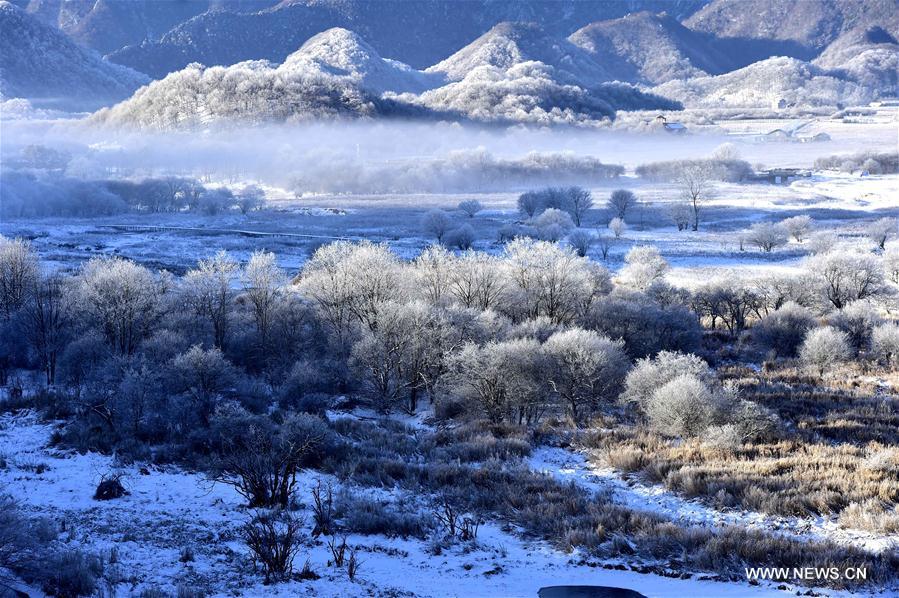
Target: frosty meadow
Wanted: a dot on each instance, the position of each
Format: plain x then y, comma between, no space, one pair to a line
505,298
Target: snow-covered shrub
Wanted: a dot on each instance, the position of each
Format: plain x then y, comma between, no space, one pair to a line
857,320
824,348
368,516
822,242
462,237
717,169
783,330
885,345
436,223
644,266
891,263
621,201
645,326
651,374
71,573
683,406
880,231
617,226
846,276
767,235
798,227
581,241
888,161
552,224
584,369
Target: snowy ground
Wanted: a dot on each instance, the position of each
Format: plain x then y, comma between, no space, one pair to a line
169,509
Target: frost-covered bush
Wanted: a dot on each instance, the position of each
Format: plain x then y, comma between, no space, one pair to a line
621,201
644,266
887,161
581,241
846,276
885,345
824,348
651,374
857,320
718,169
767,235
462,237
274,539
584,369
552,224
436,223
799,227
891,263
822,242
783,330
880,231
645,326
683,406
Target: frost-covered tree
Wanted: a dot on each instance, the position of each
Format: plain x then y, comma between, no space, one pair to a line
680,214
250,198
577,202
121,298
824,348
695,182
347,282
891,263
822,242
880,231
19,271
584,369
477,280
470,207
728,300
546,280
767,235
202,375
207,291
799,227
262,281
617,226
502,380
846,276
621,201
644,265
530,203
436,223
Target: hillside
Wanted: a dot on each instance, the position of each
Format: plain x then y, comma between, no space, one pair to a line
868,56
761,84
417,33
509,44
810,24
649,48
41,63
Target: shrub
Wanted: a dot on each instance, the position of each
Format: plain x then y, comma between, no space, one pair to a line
462,237
799,227
581,241
885,345
857,320
110,487
274,539
684,406
470,207
767,235
782,331
824,348
365,515
652,374
72,573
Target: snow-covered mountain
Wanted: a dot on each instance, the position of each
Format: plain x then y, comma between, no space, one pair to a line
809,24
649,48
343,53
418,33
765,83
40,62
868,56
509,44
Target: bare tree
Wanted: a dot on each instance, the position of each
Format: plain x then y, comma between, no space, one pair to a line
47,322
695,182
274,539
250,198
578,201
621,201
18,274
846,276
470,207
